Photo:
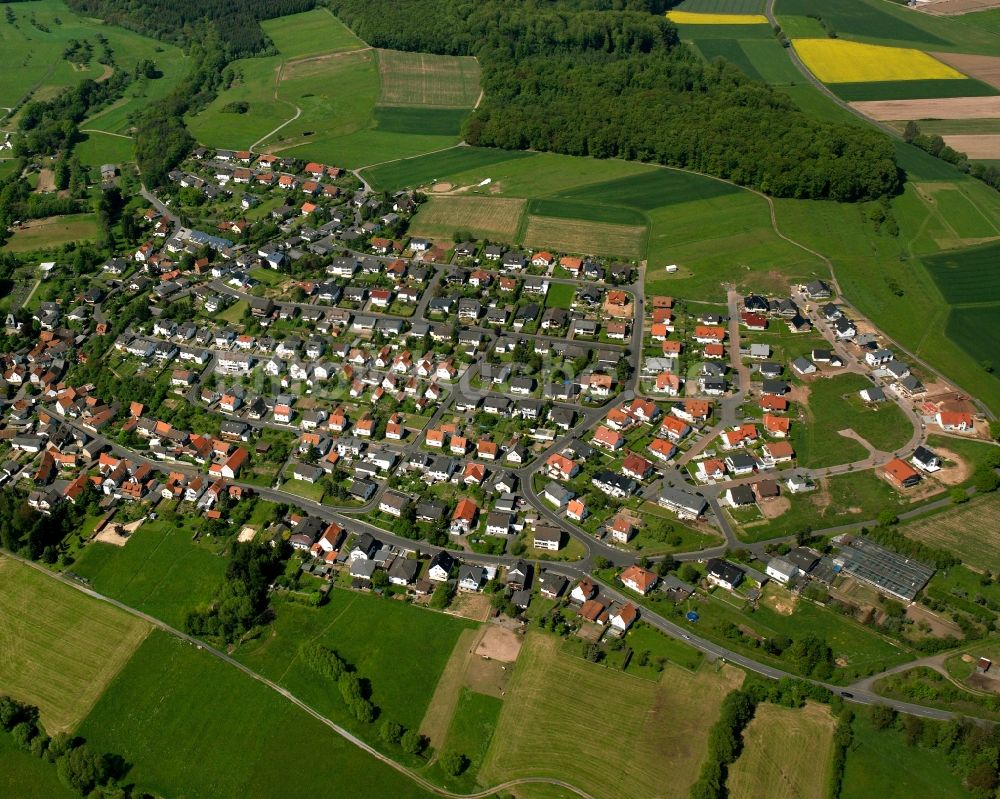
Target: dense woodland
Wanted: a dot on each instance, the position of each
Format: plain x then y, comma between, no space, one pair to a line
179,21
612,80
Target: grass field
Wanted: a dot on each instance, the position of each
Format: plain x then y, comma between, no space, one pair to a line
967,275
95,149
643,638
581,236
483,217
787,754
589,211
911,89
159,571
729,50
310,33
834,405
841,61
27,777
172,704
708,18
764,59
370,633
406,119
425,169
31,57
53,232
655,188
965,328
560,296
428,80
472,726
881,764
561,713
971,531
61,648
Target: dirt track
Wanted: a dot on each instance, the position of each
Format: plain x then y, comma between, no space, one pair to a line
976,146
982,67
938,108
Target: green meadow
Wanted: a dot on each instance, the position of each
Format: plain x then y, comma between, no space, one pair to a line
310,33
192,725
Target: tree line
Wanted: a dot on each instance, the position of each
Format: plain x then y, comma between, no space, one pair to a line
612,80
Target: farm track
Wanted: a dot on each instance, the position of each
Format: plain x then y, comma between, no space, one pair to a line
343,733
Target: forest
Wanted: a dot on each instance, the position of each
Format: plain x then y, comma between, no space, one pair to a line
179,21
611,80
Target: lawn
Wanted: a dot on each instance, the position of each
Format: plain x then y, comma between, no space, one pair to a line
590,238
160,571
97,148
643,638
60,647
430,80
370,633
787,754
881,764
842,61
172,704
310,33
53,232
27,777
834,405
560,295
483,217
561,712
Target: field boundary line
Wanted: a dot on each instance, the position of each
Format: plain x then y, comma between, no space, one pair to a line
341,731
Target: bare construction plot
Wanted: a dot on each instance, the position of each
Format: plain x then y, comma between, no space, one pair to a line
975,145
982,67
938,108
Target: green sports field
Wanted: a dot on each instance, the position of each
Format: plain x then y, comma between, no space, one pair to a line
192,725
159,571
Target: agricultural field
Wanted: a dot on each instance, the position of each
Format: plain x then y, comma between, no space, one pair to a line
868,91
423,79
560,712
984,68
968,275
31,59
709,18
310,33
881,764
484,217
965,328
841,61
61,648
53,232
348,624
27,777
159,570
971,531
426,169
834,405
405,119
955,109
171,704
723,6
472,726
730,50
976,146
760,58
588,238
787,754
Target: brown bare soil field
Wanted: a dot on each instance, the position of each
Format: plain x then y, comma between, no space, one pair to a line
974,146
938,108
46,181
982,67
499,643
950,8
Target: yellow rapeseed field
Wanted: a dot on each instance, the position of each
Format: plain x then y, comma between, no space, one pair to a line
695,18
840,61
